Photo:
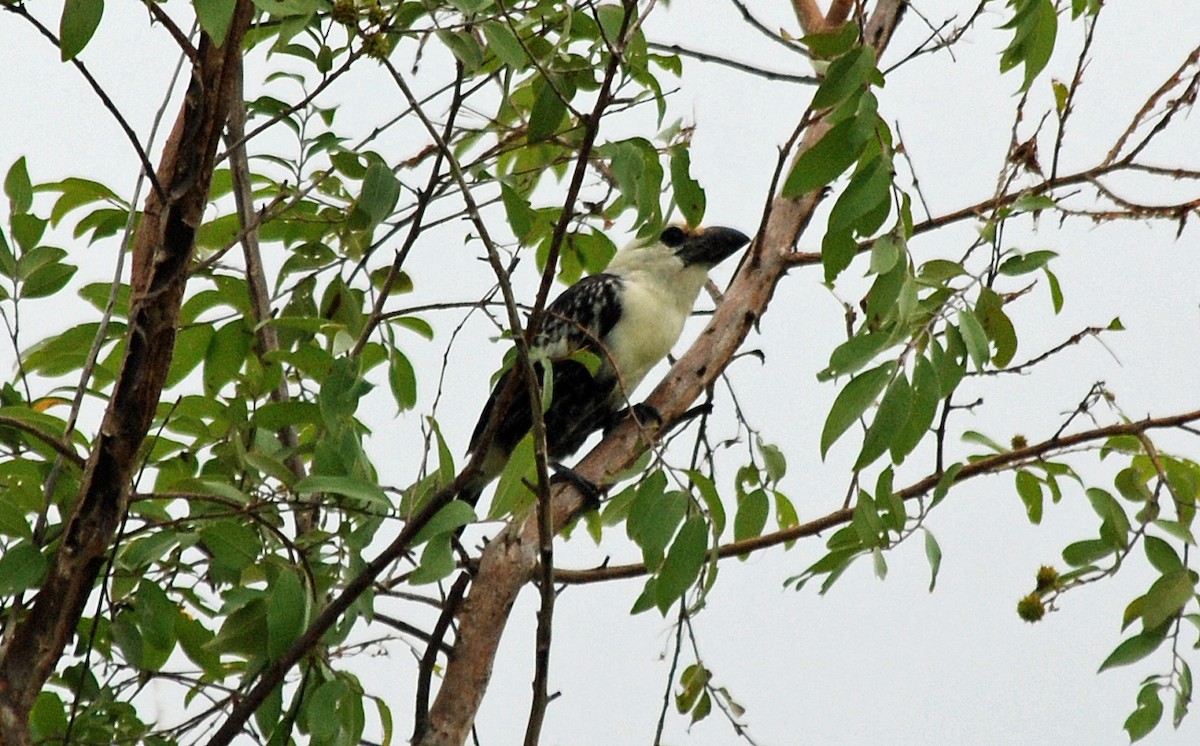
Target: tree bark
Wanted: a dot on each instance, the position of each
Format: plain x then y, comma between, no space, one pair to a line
510,559
162,250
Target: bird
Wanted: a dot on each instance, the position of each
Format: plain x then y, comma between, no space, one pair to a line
628,318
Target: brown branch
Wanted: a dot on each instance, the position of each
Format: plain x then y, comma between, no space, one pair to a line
734,64
984,466
1076,80
435,645
266,335
510,558
181,39
63,449
763,29
812,20
162,250
1171,82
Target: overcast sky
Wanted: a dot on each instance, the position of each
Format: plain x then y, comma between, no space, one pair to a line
871,662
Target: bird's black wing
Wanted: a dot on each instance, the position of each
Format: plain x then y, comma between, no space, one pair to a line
578,319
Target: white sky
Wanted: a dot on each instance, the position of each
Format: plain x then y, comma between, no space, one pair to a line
871,662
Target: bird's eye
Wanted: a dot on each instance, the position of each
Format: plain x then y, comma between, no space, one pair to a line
673,236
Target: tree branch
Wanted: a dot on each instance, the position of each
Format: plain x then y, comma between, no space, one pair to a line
981,467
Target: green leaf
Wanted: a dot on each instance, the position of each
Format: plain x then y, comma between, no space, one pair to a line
191,346
1176,529
997,326
1161,555
751,515
1147,715
234,547
933,552
859,394
513,495
155,614
22,567
12,517
711,498
975,338
945,483
837,251
926,393
869,188
832,43
937,271
1167,597
454,514
854,353
654,516
504,43
437,561
867,523
380,192
885,251
1020,264
1029,488
48,719
1035,27
1135,648
1083,553
518,210
214,17
402,379
689,195
79,21
18,187
286,612
846,75
694,680
355,488
890,420
464,46
47,280
683,563
1114,526
826,160
1056,296
195,638
773,460
548,110
27,230
785,514
227,352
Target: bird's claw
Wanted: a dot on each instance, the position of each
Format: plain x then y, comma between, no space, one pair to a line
590,491
642,413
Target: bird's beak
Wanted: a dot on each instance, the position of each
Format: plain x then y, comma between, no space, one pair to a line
711,246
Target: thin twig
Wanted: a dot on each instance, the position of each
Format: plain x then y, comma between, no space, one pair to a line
734,64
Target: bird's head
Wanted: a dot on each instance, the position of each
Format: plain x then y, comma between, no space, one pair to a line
703,248
706,247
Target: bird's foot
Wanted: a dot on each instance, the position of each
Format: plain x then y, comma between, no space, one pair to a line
590,491
697,411
644,414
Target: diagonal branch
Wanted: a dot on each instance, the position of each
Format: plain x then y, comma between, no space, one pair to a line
984,466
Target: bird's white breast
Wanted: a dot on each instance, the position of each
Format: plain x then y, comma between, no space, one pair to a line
654,307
